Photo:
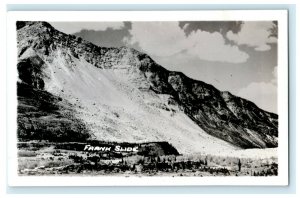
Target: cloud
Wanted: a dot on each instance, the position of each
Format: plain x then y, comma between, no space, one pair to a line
254,34
212,47
185,26
167,39
158,38
263,48
73,27
263,94
275,74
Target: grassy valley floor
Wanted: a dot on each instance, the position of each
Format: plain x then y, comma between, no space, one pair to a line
45,158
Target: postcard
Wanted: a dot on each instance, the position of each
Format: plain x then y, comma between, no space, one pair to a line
148,98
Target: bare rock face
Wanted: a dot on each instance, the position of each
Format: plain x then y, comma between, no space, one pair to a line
232,119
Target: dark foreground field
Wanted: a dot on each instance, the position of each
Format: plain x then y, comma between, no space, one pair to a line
152,159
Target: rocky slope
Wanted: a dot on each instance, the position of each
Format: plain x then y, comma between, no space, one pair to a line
123,95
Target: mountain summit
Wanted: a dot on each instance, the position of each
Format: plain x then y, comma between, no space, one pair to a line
121,94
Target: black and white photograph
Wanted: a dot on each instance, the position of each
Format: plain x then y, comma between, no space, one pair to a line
131,98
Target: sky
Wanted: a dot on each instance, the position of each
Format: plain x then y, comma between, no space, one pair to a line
235,56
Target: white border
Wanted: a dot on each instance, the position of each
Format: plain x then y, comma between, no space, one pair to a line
262,15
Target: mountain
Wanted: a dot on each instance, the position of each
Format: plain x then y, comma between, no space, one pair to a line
120,94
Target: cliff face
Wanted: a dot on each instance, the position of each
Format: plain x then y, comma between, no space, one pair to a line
130,85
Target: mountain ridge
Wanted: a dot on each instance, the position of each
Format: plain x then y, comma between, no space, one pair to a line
220,114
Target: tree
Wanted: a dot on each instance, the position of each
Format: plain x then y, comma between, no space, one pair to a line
205,161
239,165
158,159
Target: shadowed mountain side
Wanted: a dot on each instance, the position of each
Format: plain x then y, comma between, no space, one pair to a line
43,116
